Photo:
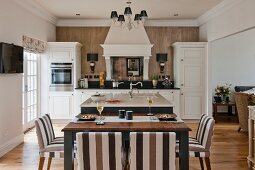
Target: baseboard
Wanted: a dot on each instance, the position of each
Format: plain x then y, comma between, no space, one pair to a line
8,146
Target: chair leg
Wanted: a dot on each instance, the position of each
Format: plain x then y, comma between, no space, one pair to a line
49,163
201,163
41,162
208,164
239,129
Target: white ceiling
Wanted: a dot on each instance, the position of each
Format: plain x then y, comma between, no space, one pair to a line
101,9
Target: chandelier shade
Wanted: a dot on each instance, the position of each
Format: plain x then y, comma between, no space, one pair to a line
128,11
121,18
114,14
125,21
137,17
144,14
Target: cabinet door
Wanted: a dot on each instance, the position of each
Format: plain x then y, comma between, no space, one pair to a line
61,54
61,106
192,105
191,65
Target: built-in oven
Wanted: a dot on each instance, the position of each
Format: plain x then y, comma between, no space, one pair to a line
61,77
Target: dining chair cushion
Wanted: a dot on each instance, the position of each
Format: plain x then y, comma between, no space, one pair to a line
152,150
99,150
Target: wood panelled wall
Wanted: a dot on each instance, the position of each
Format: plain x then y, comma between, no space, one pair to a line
161,37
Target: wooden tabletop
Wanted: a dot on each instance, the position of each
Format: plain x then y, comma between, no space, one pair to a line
127,127
224,104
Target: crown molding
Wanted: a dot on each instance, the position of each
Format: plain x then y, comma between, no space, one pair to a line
173,23
36,9
107,23
217,10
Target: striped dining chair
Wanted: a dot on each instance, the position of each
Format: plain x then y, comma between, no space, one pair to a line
99,150
200,145
152,150
50,146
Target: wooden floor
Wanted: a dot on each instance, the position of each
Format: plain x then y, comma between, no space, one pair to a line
228,152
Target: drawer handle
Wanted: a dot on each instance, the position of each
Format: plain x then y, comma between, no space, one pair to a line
182,84
181,59
182,94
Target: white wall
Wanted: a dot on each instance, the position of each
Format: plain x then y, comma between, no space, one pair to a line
231,37
16,21
233,20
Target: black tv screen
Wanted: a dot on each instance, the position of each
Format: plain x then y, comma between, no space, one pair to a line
11,58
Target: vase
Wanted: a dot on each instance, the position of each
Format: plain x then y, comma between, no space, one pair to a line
154,83
225,98
217,99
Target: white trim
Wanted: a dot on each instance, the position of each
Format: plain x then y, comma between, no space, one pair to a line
9,145
217,10
36,9
107,23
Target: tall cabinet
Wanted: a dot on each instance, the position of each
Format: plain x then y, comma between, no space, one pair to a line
190,76
61,103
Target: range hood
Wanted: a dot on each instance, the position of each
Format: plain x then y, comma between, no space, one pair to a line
124,43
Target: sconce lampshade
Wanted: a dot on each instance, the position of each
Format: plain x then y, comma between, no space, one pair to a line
161,57
92,57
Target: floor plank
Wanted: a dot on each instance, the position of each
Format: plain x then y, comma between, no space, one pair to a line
228,152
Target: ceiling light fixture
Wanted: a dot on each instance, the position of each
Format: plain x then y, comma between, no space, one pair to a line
125,20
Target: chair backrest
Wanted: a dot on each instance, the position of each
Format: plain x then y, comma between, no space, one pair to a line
152,150
205,131
242,102
44,131
99,150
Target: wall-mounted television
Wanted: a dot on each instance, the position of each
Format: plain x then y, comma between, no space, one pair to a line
11,58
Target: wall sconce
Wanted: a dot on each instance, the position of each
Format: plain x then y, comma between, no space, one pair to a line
161,58
92,57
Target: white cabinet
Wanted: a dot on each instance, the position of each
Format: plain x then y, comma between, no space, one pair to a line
190,76
172,96
61,105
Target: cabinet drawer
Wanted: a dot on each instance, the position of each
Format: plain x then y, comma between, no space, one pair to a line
61,54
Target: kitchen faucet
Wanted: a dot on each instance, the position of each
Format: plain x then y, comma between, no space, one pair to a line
115,83
131,88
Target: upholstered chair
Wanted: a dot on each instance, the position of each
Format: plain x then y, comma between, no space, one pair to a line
152,150
99,150
200,145
49,145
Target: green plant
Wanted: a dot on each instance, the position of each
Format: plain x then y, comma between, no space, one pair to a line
155,77
223,90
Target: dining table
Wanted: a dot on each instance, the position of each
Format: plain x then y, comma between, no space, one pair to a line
138,124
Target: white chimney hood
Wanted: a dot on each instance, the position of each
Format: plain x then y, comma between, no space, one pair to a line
121,42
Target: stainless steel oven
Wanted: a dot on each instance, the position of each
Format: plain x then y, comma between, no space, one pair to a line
61,77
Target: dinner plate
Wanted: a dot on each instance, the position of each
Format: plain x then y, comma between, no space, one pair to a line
164,117
87,117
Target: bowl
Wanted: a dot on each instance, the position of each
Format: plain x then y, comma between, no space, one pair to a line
97,97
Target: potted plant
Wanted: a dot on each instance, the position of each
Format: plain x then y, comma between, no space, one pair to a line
222,91
154,79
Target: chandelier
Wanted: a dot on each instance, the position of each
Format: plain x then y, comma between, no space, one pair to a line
126,19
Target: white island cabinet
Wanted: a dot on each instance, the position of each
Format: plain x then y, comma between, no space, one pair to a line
81,95
190,76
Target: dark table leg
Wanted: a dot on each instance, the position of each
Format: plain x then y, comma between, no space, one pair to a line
230,110
184,151
68,150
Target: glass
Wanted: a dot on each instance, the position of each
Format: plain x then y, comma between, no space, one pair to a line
100,108
150,101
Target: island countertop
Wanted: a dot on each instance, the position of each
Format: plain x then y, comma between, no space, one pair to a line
138,100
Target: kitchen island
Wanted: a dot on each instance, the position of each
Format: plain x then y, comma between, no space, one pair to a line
138,103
